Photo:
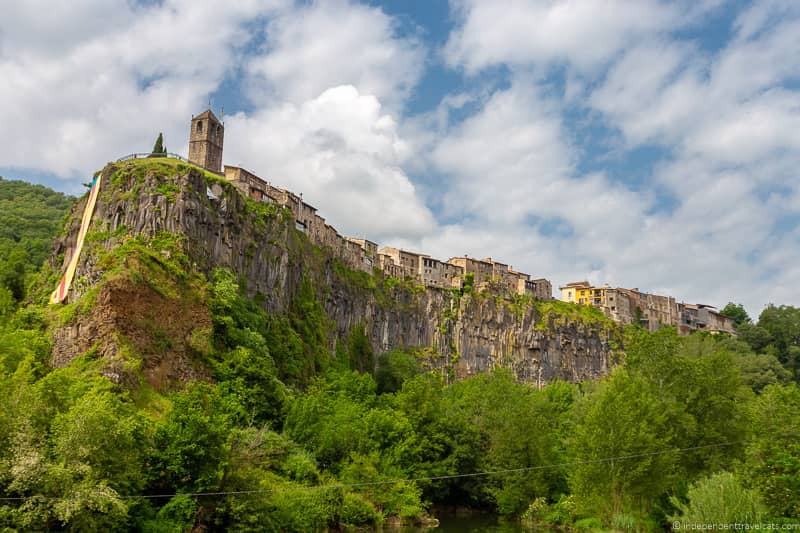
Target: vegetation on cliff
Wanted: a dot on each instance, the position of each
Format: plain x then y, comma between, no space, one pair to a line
276,431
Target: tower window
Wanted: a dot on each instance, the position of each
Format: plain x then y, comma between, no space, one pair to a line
199,127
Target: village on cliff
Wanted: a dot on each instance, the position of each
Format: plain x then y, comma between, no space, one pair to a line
622,305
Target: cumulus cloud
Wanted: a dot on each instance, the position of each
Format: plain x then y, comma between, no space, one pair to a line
514,193
328,84
343,153
331,43
510,168
731,107
92,81
583,32
728,120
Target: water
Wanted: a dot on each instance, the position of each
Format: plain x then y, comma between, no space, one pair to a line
471,523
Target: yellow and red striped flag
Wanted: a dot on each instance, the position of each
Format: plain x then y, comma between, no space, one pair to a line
63,286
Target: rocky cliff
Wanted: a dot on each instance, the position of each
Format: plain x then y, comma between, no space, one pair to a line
153,213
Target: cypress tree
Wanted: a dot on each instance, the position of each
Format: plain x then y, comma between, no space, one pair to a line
159,148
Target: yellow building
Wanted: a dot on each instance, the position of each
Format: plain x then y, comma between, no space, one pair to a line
582,292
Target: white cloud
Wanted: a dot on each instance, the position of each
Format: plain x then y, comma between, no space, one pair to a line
511,162
511,176
95,81
730,107
92,80
113,75
584,33
344,153
332,43
512,180
729,119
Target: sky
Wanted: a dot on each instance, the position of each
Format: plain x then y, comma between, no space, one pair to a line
638,143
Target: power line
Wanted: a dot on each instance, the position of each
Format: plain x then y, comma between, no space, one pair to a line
411,480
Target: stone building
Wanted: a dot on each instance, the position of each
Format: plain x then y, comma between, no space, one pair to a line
503,275
370,248
369,252
206,135
651,311
541,288
247,182
701,317
626,306
481,270
452,275
408,261
432,272
618,305
389,267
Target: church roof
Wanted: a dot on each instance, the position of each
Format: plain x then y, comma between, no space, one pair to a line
206,114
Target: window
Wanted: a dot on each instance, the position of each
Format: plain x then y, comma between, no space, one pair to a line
200,127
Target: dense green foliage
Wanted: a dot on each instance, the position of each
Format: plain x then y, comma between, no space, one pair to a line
298,428
30,216
776,334
719,499
158,147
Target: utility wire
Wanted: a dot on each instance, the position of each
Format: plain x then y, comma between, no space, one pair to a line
412,480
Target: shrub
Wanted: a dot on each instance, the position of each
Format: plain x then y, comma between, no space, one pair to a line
357,511
719,499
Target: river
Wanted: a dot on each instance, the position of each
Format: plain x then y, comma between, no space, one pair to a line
471,523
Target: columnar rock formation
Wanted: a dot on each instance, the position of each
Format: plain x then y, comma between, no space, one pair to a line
463,333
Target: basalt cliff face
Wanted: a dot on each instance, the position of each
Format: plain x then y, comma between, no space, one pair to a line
218,228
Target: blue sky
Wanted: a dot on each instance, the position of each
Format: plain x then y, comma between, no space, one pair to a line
644,143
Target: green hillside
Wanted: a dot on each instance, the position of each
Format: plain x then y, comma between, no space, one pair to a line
30,216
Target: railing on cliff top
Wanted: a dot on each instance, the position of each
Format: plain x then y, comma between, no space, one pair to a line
143,155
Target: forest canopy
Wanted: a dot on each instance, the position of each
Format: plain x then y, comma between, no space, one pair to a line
286,435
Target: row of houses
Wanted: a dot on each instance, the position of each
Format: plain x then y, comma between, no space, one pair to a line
652,311
365,255
452,273
206,135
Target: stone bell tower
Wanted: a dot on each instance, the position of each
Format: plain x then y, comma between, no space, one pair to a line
205,141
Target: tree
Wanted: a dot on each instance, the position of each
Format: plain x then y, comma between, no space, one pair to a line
772,464
760,370
30,216
719,499
159,147
359,350
394,367
520,427
192,441
755,336
783,325
623,416
737,313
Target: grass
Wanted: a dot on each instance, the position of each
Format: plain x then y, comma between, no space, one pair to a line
168,190
66,314
160,165
561,313
127,177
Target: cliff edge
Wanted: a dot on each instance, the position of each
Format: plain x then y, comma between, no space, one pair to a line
161,231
